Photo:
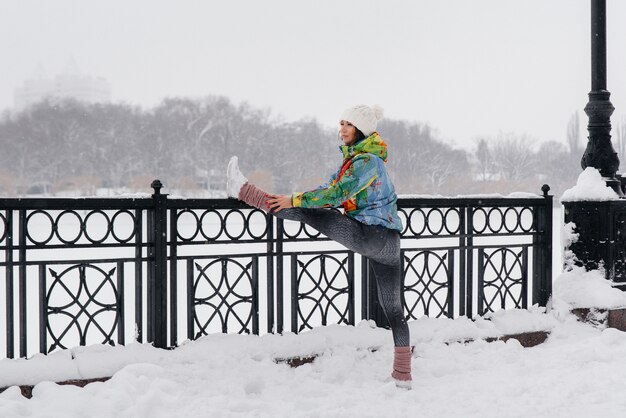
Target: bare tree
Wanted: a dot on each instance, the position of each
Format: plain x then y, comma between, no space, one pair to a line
438,167
513,156
116,145
483,160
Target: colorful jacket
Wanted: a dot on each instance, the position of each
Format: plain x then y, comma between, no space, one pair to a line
361,186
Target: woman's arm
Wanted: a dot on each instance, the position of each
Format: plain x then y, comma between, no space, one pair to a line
278,202
362,172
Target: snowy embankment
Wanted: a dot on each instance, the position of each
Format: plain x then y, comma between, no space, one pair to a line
456,372
576,372
101,360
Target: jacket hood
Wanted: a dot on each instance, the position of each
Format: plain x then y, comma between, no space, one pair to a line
373,144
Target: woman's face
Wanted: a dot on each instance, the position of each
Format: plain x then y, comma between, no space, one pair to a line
347,132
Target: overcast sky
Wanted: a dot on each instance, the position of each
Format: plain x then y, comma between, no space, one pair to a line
468,68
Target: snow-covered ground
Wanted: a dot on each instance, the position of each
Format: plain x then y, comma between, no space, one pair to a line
578,372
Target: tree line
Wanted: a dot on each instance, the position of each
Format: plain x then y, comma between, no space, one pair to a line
58,147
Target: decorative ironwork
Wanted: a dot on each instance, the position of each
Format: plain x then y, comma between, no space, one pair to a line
497,220
428,284
227,290
230,225
322,288
84,301
69,227
236,275
502,278
296,230
5,227
431,221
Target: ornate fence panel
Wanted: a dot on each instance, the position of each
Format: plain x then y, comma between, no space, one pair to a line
73,271
469,256
224,253
159,270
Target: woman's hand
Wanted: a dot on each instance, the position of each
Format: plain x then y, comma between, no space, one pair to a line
278,202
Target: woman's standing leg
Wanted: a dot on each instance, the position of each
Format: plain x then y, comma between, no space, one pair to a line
382,246
389,284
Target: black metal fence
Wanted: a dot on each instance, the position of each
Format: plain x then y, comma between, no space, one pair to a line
156,269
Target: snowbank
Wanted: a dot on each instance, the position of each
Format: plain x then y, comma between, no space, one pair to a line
573,374
102,360
456,372
578,288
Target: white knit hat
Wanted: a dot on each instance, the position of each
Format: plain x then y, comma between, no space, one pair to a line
365,118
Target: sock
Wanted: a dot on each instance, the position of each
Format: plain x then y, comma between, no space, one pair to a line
402,363
253,196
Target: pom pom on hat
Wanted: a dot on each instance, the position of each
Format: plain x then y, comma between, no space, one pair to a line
365,118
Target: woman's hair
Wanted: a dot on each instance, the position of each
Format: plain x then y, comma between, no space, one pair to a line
359,135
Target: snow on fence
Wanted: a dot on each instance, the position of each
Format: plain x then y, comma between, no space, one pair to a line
161,270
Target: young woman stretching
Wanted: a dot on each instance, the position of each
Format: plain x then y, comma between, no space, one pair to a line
370,226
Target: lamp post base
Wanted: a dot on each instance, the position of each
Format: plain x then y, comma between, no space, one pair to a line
602,236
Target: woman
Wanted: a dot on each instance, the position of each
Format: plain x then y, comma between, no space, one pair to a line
370,226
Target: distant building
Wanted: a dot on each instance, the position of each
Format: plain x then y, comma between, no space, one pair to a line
70,84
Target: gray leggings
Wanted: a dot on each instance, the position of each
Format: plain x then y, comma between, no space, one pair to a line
381,245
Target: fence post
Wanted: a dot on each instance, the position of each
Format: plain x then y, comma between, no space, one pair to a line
157,280
23,222
10,288
542,274
468,251
280,303
270,274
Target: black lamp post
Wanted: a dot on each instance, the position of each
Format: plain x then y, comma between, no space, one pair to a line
599,152
601,225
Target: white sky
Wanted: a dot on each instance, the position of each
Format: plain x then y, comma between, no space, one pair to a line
469,68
